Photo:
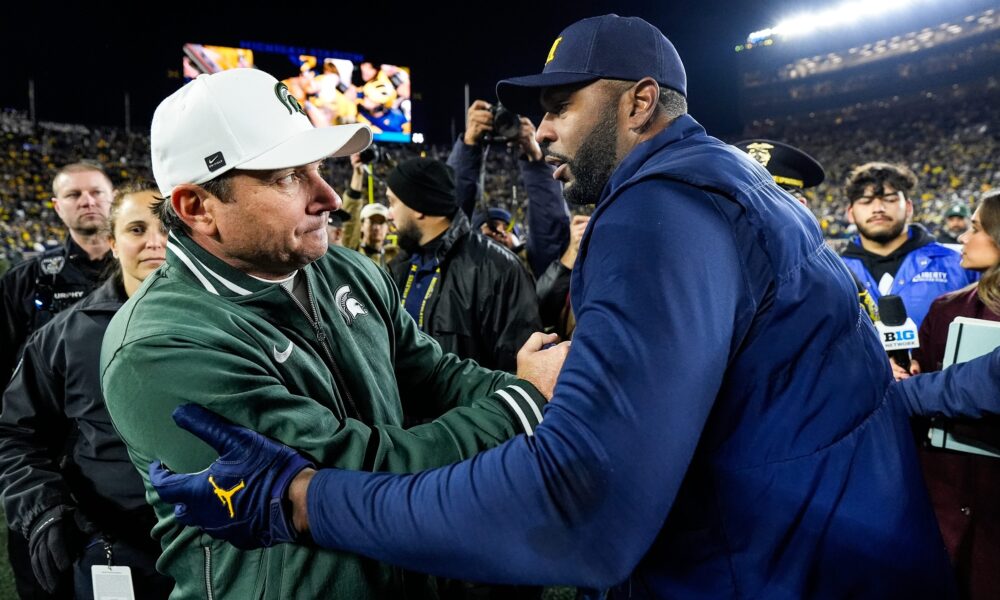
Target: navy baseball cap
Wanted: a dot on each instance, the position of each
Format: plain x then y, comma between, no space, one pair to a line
606,47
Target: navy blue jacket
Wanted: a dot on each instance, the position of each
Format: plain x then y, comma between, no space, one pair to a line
720,427
548,215
926,273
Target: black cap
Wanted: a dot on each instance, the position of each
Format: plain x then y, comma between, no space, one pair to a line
336,218
789,166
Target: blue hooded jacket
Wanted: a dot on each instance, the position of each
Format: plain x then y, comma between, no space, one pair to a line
719,429
925,274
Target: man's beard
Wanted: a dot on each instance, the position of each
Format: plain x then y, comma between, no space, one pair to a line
596,159
886,235
88,230
408,238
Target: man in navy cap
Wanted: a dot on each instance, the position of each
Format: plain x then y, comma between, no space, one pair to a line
720,427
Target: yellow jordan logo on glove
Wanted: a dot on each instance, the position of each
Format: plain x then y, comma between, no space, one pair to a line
226,496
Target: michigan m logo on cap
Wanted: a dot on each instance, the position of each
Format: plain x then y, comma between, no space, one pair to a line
552,50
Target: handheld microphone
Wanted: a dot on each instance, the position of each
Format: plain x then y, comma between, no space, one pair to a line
897,332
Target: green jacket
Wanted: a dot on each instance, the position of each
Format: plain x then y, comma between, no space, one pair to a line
334,387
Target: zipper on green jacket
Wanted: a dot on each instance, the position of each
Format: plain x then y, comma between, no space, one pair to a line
209,594
321,338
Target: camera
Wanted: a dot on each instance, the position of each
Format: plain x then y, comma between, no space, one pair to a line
373,154
506,125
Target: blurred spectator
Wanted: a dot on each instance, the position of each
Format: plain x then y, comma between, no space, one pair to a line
956,222
466,291
335,226
368,226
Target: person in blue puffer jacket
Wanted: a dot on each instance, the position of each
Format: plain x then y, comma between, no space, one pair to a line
888,256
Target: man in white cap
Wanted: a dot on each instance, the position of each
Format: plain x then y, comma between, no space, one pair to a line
374,227
255,317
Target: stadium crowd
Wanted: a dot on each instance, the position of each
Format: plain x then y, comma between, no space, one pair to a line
950,143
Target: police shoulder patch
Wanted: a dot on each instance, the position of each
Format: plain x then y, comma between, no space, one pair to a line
53,264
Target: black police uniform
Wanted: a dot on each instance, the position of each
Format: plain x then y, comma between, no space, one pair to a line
31,293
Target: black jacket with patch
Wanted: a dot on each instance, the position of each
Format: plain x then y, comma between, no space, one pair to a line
484,307
34,291
57,443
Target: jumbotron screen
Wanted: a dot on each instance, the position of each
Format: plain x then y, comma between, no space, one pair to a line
333,88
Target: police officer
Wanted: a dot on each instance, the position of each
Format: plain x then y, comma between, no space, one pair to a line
32,292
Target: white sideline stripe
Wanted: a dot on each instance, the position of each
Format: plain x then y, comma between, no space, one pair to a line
531,403
517,410
187,262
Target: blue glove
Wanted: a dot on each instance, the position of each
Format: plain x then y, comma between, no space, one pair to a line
241,497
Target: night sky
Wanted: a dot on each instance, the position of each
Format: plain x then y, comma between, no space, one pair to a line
83,60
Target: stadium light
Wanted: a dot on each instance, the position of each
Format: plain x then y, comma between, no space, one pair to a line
846,13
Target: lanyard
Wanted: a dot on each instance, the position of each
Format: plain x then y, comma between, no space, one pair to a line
427,294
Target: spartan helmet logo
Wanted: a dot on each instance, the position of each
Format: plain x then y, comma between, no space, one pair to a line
348,305
760,152
287,100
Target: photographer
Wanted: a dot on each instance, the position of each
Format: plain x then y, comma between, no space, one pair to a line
548,217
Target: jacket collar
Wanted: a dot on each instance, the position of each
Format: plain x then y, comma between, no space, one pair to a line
107,297
210,273
682,128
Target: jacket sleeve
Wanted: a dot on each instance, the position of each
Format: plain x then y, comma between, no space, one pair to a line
548,215
486,408
970,389
33,431
13,322
353,203
466,161
581,501
512,314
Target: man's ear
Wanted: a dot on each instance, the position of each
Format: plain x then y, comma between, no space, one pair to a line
192,205
642,100
56,207
850,213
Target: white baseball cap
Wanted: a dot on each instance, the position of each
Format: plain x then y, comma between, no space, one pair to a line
373,209
239,118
